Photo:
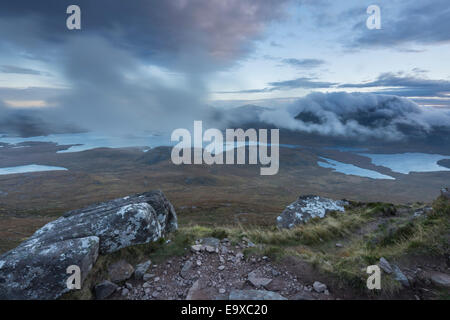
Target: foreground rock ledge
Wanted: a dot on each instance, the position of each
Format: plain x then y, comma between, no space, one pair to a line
36,269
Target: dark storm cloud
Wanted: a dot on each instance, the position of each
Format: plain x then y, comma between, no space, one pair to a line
304,63
30,122
219,30
105,62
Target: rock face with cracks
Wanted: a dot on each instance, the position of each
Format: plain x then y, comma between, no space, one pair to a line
36,269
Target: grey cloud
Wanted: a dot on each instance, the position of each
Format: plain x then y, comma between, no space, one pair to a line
299,83
166,32
109,93
103,62
302,82
18,70
304,63
406,85
410,22
359,116
31,122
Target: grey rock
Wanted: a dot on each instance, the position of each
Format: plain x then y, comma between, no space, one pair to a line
147,276
254,295
306,208
104,289
119,223
197,248
239,256
250,244
141,269
440,279
125,292
258,281
385,265
120,271
186,268
212,242
319,286
39,271
400,276
77,238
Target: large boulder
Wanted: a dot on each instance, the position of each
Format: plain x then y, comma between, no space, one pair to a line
306,208
36,269
118,223
40,272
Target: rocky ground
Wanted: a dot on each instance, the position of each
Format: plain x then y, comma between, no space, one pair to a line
131,248
214,269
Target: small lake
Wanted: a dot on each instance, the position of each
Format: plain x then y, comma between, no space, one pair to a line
408,162
29,168
350,169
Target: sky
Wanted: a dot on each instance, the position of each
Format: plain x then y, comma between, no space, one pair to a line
157,64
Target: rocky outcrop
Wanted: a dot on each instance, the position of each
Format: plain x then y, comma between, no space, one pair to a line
306,208
118,223
36,269
40,272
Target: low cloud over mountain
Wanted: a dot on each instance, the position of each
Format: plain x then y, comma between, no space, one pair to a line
359,116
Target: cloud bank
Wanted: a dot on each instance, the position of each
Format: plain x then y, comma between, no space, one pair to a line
358,116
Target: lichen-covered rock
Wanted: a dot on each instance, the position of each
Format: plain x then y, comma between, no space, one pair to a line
306,208
36,268
40,272
118,223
